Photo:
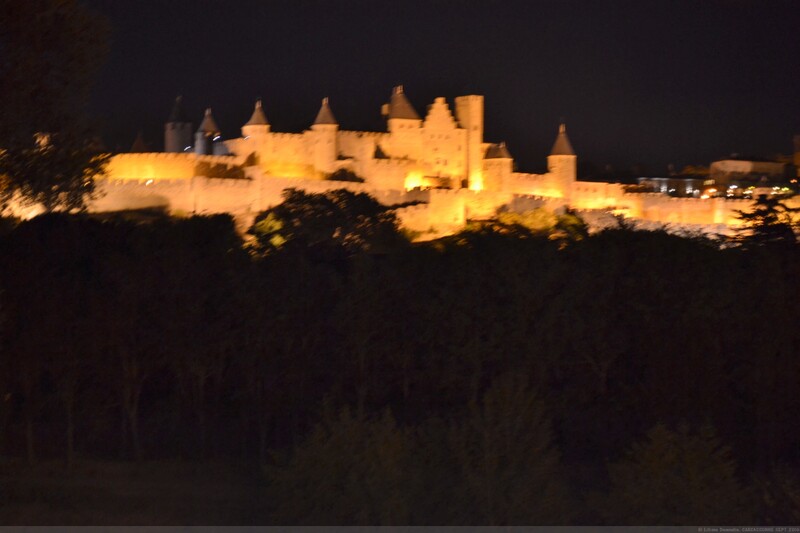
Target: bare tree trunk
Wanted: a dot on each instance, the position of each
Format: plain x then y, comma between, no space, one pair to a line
262,441
200,414
362,382
406,388
133,421
123,432
130,418
28,413
132,379
29,436
69,406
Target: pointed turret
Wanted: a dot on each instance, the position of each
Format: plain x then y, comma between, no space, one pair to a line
325,115
177,129
404,126
323,135
497,151
207,135
562,146
497,168
258,126
562,163
209,125
258,117
139,146
400,107
178,114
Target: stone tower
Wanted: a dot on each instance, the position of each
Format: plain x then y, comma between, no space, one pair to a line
324,132
207,135
177,129
497,167
257,129
403,124
257,125
562,162
469,113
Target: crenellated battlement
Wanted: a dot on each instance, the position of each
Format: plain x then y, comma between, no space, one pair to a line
141,182
173,156
224,183
395,162
362,134
285,136
526,176
414,154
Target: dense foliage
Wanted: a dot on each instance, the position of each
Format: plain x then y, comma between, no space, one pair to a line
484,379
50,51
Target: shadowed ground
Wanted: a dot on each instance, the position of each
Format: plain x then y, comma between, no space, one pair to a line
117,493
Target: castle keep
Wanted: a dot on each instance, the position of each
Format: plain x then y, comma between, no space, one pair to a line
440,161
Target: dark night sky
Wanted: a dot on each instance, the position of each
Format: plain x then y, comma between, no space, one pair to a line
647,81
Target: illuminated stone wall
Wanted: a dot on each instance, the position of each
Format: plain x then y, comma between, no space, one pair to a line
417,160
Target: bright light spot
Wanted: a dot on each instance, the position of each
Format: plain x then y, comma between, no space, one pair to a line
413,180
704,197
476,183
216,138
148,182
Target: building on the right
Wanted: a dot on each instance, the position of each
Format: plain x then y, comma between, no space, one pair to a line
740,171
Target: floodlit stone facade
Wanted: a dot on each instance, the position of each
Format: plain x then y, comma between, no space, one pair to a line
441,162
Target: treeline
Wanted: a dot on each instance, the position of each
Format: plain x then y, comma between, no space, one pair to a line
499,376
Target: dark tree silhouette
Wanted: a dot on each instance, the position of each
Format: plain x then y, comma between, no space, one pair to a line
352,222
350,471
51,50
677,478
770,222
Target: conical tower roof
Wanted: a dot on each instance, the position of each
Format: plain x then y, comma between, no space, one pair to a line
258,118
139,146
400,107
209,125
325,115
178,114
497,151
562,146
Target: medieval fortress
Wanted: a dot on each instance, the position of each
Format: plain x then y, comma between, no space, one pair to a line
440,163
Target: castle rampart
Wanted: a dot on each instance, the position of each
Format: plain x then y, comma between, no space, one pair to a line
426,160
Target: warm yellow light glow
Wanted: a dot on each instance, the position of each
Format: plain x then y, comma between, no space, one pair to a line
476,182
156,167
413,180
287,169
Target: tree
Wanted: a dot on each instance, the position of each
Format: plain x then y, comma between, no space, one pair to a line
51,51
533,223
676,478
509,469
770,222
350,471
338,219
